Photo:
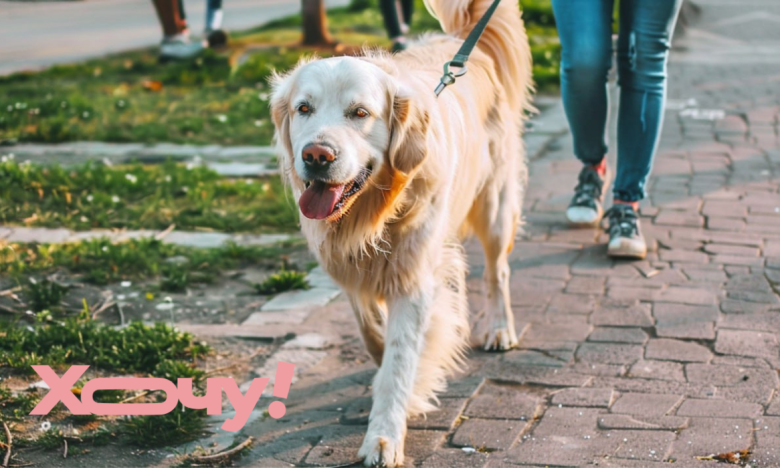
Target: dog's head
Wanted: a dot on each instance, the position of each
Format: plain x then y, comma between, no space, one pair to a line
341,123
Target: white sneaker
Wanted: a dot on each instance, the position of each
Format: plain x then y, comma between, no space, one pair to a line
179,47
585,209
625,239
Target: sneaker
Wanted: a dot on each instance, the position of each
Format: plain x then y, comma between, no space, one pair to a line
586,209
398,47
179,47
216,37
625,240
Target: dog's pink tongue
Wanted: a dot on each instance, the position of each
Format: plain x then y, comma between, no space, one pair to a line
319,200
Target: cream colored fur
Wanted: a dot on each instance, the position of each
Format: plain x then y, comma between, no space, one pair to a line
441,168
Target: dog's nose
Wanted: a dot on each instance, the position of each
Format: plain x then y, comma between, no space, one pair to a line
318,156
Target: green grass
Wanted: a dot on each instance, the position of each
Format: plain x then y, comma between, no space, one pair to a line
137,348
142,197
218,98
100,261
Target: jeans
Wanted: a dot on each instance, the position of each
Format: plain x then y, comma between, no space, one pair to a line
645,32
389,9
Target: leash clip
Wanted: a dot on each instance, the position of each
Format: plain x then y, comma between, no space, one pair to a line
449,77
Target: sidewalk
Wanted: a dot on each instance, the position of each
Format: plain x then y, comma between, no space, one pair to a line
620,364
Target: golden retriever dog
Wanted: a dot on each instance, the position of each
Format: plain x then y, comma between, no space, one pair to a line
389,179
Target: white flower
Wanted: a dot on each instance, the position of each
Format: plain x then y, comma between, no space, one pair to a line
132,178
222,118
115,199
45,426
263,96
105,248
259,123
85,114
167,178
90,198
84,219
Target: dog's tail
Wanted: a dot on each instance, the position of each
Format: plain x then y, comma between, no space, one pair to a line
504,41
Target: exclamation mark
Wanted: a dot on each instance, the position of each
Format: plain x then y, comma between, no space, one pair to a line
282,382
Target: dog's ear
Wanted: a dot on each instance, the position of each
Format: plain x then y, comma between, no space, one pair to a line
408,134
280,113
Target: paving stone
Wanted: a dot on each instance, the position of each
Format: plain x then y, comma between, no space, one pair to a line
568,331
728,209
609,353
692,296
449,458
618,335
719,409
586,285
587,397
675,350
203,240
488,433
292,300
633,293
571,304
563,437
663,370
686,256
444,418
628,421
774,407
40,235
308,341
646,404
291,317
627,315
685,329
732,306
710,436
463,387
679,218
504,402
747,343
726,249
317,278
642,445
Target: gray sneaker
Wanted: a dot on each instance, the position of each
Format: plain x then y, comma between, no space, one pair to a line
586,209
179,47
625,240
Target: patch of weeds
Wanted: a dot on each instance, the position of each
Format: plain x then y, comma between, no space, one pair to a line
100,261
45,294
17,407
142,197
281,282
180,425
137,348
50,440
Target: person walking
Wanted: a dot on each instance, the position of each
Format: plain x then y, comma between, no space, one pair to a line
397,15
176,43
644,40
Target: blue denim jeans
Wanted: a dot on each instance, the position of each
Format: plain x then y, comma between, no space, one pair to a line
645,32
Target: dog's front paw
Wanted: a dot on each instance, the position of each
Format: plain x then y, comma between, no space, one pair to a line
500,339
382,451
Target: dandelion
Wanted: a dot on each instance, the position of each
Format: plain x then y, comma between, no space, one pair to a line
115,199
132,178
222,118
167,178
85,114
263,96
84,219
266,187
259,123
105,248
90,198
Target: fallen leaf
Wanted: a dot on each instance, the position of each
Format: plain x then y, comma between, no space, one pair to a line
152,85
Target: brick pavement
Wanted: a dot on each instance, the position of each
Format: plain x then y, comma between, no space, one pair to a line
620,364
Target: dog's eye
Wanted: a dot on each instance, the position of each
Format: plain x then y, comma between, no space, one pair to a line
360,113
304,109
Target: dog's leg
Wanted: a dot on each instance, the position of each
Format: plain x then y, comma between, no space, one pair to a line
494,218
371,316
394,383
